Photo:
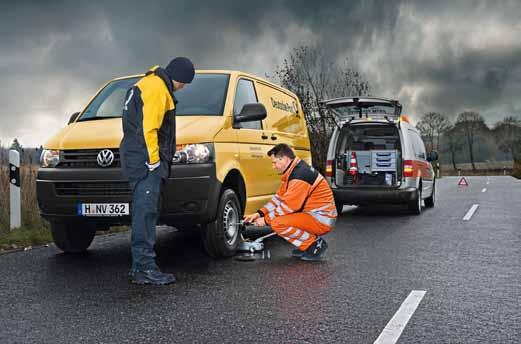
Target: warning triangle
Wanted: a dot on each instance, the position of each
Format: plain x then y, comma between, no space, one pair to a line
463,182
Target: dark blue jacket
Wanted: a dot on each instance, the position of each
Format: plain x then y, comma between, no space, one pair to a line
148,126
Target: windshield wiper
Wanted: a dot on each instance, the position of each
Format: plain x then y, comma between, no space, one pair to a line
96,118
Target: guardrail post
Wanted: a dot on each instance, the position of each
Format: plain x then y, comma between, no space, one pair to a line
14,180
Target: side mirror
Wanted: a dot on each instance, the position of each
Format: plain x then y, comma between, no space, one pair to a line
74,116
250,113
432,156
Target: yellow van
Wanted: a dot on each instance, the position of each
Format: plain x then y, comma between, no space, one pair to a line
226,123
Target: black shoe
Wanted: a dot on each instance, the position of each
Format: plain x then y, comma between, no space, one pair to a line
315,251
154,277
297,253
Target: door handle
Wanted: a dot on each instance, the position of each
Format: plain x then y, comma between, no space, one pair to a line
273,137
264,136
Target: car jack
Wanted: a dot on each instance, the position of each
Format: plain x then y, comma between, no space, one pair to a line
253,250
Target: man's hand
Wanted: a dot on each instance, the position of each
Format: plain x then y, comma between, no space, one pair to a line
152,167
260,222
251,218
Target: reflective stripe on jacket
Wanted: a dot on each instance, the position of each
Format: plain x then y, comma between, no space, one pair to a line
302,189
148,126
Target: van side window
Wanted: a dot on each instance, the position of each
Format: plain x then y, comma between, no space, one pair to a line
418,146
245,94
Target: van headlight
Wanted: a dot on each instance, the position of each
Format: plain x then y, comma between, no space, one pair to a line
198,153
50,158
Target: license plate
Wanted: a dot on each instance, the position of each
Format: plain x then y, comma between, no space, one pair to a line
103,209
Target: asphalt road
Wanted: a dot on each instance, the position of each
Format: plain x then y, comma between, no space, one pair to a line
469,269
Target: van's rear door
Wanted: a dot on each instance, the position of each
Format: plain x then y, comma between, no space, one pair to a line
347,109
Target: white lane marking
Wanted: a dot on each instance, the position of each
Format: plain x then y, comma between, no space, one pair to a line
395,326
484,190
471,212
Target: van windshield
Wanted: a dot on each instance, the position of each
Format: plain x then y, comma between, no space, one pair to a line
205,96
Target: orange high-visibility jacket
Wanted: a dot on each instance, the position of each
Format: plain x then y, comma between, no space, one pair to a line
302,189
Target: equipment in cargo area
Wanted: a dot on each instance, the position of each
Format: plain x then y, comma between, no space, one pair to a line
368,154
375,167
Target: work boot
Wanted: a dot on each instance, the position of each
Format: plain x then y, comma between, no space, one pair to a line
154,277
315,251
297,253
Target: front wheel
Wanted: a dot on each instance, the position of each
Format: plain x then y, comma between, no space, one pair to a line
72,237
221,237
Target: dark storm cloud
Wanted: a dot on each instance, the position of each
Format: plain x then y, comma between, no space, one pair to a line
433,56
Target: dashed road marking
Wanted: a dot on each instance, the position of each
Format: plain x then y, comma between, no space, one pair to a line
471,212
395,326
484,190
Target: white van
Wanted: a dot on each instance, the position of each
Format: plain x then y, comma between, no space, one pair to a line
376,156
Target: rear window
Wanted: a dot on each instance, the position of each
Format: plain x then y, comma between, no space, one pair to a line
353,111
204,96
370,137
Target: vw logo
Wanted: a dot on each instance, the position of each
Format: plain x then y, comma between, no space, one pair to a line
105,158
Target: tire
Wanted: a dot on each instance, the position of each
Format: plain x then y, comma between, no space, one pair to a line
415,205
72,237
222,236
339,207
429,201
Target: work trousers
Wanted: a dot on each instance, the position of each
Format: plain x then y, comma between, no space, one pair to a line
300,229
145,212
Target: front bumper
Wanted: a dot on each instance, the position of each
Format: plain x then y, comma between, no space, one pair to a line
189,196
374,195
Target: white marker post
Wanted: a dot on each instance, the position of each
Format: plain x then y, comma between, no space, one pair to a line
14,180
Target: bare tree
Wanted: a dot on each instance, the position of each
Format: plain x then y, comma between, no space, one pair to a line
508,135
454,143
3,158
432,125
314,76
471,124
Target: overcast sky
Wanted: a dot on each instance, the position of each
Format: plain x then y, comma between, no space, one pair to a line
443,56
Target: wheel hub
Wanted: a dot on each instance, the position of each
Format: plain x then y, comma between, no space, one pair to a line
230,223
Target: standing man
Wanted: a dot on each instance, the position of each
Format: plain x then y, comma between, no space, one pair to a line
146,153
303,207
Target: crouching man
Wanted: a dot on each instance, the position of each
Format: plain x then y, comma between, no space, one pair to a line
302,210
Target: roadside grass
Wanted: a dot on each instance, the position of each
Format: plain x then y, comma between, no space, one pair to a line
24,236
490,168
34,230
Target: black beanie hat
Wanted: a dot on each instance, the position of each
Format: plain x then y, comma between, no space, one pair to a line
181,69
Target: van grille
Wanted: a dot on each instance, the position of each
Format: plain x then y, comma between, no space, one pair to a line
85,158
93,189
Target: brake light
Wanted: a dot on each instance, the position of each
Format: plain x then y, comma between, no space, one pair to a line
407,168
329,168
